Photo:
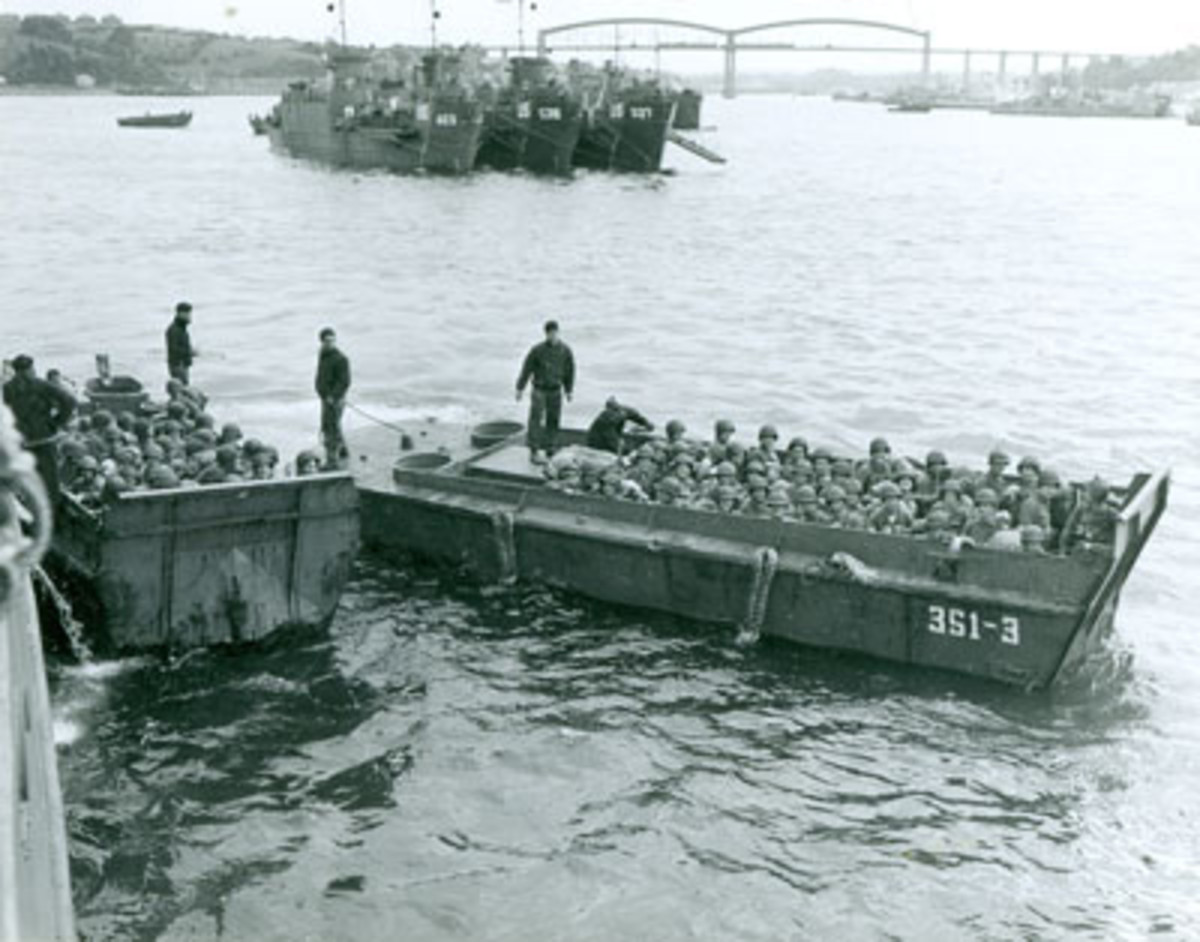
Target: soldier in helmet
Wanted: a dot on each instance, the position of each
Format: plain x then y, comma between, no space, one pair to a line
676,431
723,433
1094,521
768,445
996,478
890,516
1033,539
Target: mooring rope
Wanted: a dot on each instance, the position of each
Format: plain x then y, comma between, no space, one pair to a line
766,563
374,418
504,537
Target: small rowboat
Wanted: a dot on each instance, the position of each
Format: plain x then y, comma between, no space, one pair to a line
177,119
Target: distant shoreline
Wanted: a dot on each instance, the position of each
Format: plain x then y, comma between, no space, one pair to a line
66,91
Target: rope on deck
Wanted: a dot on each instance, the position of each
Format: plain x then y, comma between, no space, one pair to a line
766,563
504,536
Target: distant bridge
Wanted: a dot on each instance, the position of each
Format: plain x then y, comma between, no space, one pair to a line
729,40
733,41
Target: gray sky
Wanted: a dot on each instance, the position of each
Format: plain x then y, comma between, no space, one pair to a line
1088,25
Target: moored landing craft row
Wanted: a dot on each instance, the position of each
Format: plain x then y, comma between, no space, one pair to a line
540,120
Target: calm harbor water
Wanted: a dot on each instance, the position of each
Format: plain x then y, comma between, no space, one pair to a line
458,762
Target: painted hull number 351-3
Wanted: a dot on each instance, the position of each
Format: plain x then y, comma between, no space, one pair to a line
963,623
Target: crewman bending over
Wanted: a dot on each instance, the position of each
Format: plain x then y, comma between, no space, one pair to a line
607,432
551,366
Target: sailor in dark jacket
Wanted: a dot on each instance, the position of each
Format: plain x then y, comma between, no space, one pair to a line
180,352
551,366
333,382
41,410
607,432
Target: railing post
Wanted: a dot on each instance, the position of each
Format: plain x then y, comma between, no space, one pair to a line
541,44
926,42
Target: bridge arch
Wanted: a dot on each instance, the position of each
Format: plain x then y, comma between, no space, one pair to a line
832,21
543,34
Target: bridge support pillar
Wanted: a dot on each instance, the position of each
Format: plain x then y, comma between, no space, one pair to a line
541,45
967,72
1037,64
1066,67
1002,69
926,43
730,86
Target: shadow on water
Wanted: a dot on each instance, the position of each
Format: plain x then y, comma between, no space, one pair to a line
179,752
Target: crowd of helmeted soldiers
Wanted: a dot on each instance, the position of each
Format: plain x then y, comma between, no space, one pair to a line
176,444
1030,510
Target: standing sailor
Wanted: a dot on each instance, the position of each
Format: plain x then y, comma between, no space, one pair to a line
333,382
551,366
41,410
180,352
607,431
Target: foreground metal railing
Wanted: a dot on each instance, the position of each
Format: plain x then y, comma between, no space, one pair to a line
35,888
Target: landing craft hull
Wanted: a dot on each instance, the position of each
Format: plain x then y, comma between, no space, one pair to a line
212,565
1017,618
552,129
628,135
539,136
444,137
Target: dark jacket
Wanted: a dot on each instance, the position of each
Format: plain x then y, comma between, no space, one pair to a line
333,374
179,345
550,366
606,429
41,409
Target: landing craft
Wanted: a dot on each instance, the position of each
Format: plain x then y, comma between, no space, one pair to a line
430,122
474,500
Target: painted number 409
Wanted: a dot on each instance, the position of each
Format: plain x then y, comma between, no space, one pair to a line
961,623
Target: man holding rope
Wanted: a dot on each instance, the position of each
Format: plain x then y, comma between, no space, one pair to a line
333,383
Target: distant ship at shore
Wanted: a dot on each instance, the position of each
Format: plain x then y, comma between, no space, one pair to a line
1087,105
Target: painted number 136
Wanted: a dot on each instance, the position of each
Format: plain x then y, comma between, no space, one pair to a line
961,623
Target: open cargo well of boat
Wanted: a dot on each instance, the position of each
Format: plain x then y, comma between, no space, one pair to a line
208,565
1020,618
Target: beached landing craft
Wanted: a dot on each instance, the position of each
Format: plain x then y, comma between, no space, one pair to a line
35,886
627,122
433,123
473,498
535,122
